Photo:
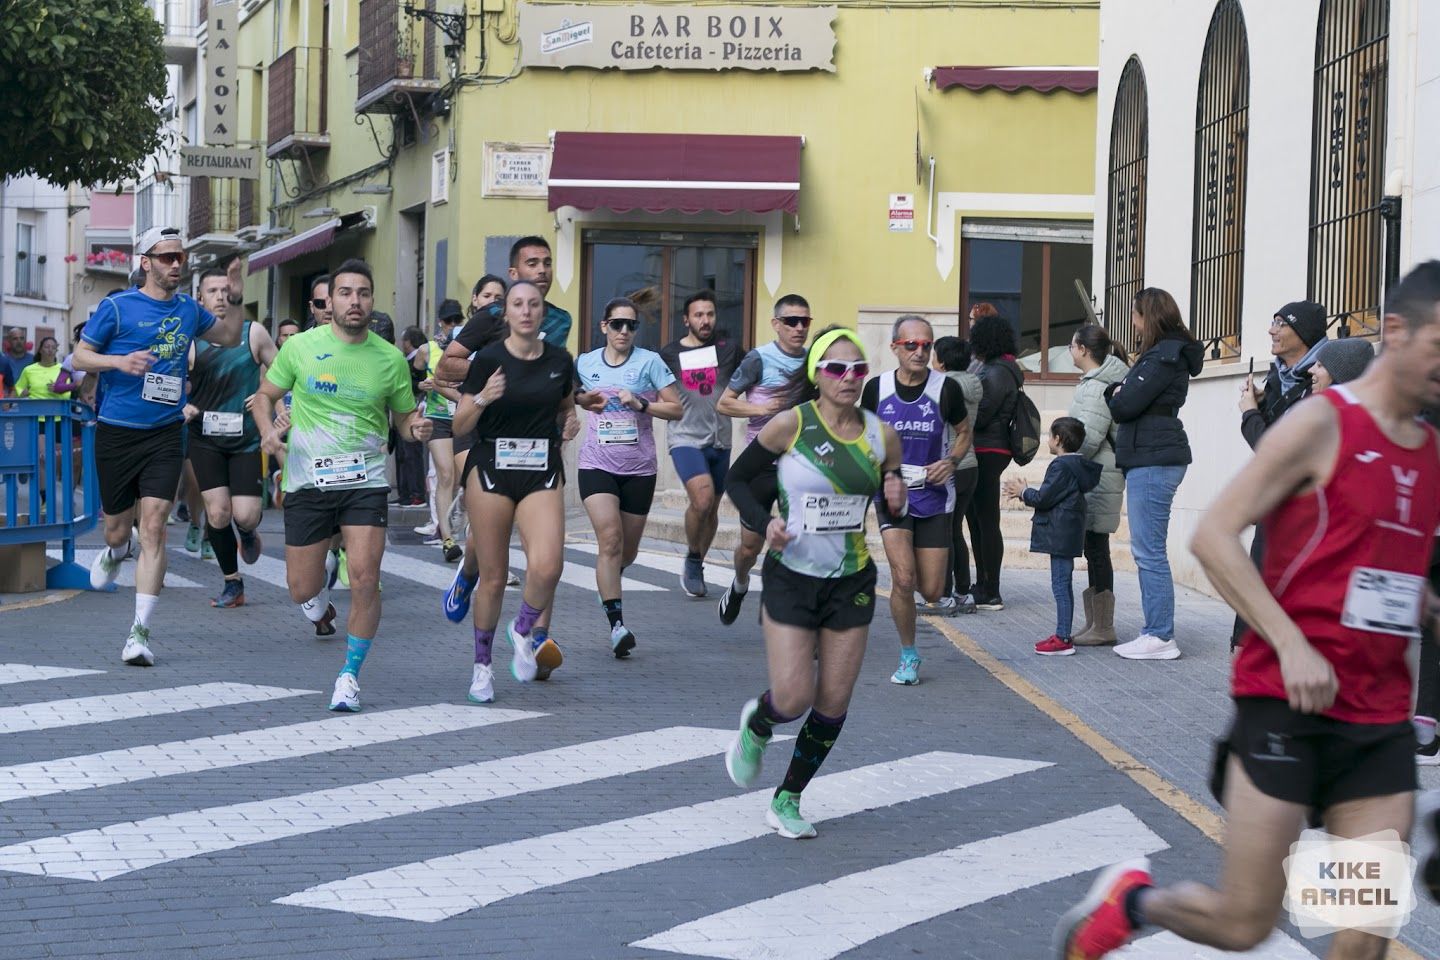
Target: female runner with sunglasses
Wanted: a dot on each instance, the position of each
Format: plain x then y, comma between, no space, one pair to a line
819,580
919,403
622,387
518,390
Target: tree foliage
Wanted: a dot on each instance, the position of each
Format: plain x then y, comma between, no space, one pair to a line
81,87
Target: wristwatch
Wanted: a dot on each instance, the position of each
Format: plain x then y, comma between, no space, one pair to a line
644,404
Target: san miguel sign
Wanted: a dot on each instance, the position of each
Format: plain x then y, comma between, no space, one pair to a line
676,37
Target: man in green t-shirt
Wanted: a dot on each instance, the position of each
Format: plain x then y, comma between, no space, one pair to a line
345,384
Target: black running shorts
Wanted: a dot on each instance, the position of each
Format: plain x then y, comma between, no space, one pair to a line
815,603
1314,761
131,464
240,472
313,515
766,487
636,493
930,533
443,429
516,485
463,442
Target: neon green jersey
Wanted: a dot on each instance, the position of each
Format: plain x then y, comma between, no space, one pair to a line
437,407
341,398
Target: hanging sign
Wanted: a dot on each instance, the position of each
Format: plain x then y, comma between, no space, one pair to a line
238,163
221,64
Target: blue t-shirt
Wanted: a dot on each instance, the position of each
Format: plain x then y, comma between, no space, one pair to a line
130,321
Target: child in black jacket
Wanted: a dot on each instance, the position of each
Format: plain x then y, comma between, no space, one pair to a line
1059,525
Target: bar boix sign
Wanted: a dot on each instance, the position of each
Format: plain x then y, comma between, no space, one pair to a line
677,37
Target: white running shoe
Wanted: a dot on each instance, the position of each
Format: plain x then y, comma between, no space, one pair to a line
522,658
482,684
346,698
103,570
426,530
137,647
1148,647
512,579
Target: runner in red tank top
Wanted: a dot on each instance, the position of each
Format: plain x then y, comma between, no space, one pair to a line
1345,487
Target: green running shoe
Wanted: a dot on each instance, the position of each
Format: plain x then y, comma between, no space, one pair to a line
784,816
742,759
207,552
192,539
343,571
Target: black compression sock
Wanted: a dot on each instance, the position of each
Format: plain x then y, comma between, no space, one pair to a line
813,745
222,539
763,720
1132,907
612,612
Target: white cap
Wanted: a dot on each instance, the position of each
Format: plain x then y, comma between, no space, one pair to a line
148,240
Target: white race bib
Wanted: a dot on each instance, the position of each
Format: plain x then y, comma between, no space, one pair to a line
609,431
341,470
913,475
159,388
1383,601
522,454
704,358
214,423
450,407
834,513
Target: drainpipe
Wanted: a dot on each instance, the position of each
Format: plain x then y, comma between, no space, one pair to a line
1397,179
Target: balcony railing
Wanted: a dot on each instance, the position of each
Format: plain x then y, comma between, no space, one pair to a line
297,102
160,202
181,21
214,207
397,56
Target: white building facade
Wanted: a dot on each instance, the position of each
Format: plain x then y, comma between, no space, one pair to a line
1251,153
34,275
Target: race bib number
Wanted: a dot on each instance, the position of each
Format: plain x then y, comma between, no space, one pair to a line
522,454
450,407
622,432
1383,601
159,388
214,423
698,369
834,513
914,476
343,469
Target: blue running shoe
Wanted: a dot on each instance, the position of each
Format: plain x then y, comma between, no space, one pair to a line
457,599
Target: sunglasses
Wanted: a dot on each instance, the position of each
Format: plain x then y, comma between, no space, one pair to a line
169,259
911,346
319,303
622,324
801,322
840,369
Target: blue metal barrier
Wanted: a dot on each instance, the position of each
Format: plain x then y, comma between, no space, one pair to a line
29,431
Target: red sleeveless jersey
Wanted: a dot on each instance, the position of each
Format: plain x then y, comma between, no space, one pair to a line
1348,563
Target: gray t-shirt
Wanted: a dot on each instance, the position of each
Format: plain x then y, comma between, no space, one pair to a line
701,373
970,388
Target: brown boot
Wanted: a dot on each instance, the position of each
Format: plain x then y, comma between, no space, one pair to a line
1087,600
1102,633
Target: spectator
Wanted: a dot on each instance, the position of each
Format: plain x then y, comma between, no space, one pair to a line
447,318
383,326
13,359
993,342
953,357
1341,361
319,306
410,454
1152,449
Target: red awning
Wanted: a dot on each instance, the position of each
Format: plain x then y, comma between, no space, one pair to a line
1010,79
688,172
316,238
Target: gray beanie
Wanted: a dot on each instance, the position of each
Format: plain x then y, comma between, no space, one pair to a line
1346,359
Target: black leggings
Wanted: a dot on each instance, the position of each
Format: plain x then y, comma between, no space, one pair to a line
1097,560
957,576
1427,703
984,519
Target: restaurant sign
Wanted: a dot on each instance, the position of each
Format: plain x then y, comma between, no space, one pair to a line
676,37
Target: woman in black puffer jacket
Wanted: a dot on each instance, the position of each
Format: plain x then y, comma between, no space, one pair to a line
993,342
1152,450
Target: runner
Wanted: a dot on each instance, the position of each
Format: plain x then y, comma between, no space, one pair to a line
1344,485
137,342
440,403
819,579
286,330
346,385
321,310
700,442
224,443
518,390
919,403
623,388
761,376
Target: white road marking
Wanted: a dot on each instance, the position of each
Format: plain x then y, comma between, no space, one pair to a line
578,575
127,569
50,714
433,890
126,847
25,672
236,749
1167,946
825,920
716,574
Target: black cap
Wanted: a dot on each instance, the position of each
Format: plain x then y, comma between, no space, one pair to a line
450,310
1307,319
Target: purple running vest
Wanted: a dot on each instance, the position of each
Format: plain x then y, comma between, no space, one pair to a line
922,441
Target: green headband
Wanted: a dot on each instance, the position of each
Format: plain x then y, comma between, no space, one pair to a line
817,350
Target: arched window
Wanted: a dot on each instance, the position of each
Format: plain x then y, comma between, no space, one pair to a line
1347,162
1125,237
1222,138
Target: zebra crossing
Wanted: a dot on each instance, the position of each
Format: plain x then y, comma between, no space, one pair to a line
805,921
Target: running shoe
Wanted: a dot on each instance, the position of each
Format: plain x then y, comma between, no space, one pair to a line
342,569
250,545
784,816
730,602
452,551
964,603
1055,646
482,684
433,540
137,647
1147,646
512,579
908,673
456,602
991,603
325,626
622,641
103,569
547,658
232,596
692,581
944,607
1429,754
182,512
1099,924
1427,812
129,553
332,568
746,752
192,539
207,552
426,529
346,698
522,654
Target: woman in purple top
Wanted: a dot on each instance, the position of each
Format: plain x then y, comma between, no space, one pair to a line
622,387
